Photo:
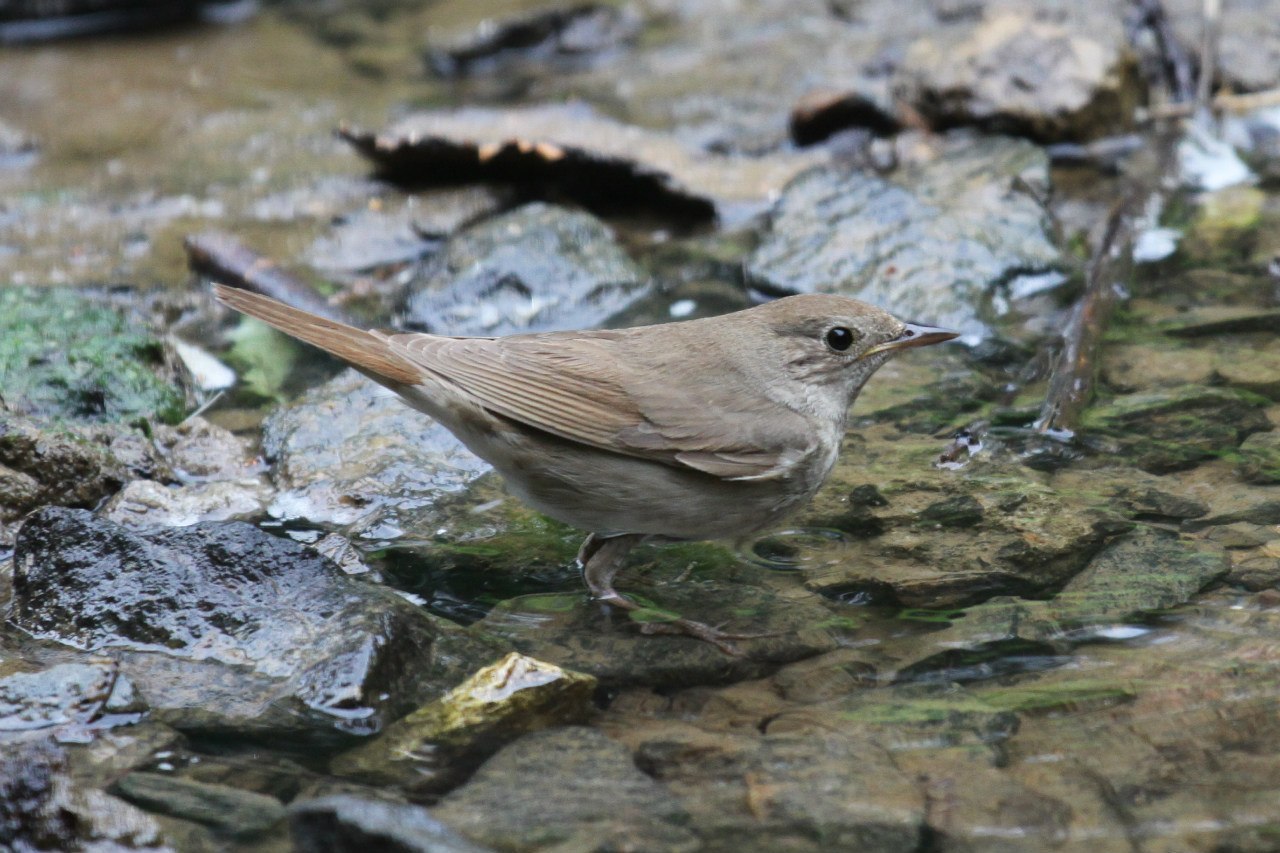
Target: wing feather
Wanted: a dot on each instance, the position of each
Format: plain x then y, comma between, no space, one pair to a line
574,387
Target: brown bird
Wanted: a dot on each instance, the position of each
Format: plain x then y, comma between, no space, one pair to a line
704,429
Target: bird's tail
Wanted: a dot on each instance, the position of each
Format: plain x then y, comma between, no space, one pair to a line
368,352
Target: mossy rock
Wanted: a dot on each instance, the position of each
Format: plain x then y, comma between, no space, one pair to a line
1260,458
1176,429
67,356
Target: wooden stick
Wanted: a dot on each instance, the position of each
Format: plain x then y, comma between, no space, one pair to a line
1224,102
223,258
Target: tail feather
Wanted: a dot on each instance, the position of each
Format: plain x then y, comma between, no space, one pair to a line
366,351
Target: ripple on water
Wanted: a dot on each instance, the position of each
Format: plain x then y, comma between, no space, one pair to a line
794,550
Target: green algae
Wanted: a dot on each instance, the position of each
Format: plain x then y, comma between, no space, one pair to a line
66,356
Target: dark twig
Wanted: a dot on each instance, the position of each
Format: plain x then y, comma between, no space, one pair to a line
1211,31
1071,384
1174,59
1073,379
223,258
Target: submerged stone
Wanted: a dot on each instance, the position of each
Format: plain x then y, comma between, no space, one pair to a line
539,268
600,799
571,631
225,809
66,356
432,748
348,824
929,242
43,808
225,627
1172,430
939,538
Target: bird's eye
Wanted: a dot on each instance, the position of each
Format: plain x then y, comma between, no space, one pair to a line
839,339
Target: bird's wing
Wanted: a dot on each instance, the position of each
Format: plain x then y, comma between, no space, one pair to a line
574,387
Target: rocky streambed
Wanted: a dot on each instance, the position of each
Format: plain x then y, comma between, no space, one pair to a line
251,602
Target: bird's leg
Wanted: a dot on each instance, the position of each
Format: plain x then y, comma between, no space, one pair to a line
601,557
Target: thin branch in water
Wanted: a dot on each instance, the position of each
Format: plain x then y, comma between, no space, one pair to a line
223,258
1210,33
1179,76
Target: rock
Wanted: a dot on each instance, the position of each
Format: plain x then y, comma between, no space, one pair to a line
199,450
940,538
1260,458
68,465
602,801
69,357
1143,572
557,39
1248,51
1175,429
41,808
146,502
223,808
61,697
929,241
1015,74
697,582
434,747
326,473
347,824
569,152
223,626
536,269
788,791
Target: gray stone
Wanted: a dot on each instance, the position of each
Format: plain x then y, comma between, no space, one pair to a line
42,808
222,625
566,789
1013,73
930,242
348,824
220,807
539,268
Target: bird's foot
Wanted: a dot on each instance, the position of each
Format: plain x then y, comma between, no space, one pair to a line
722,640
669,624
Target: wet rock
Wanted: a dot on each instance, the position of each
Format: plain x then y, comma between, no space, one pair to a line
570,631
41,808
347,824
929,241
223,626
64,696
567,151
326,473
67,356
225,809
69,466
146,502
560,38
1222,320
536,269
1015,74
1260,458
1144,572
17,149
810,791
943,538
1176,429
602,801
197,449
114,752
435,746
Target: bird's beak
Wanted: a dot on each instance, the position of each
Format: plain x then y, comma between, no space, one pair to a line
913,335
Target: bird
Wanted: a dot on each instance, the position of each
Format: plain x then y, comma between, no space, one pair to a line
711,428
